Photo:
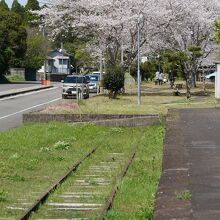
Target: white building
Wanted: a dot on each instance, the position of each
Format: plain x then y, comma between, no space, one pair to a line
57,62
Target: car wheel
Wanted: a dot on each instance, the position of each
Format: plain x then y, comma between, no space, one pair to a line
86,96
63,96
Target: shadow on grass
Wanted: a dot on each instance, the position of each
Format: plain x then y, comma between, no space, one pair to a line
202,94
170,93
198,94
150,94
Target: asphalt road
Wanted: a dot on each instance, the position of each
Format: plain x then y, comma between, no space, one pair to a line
12,108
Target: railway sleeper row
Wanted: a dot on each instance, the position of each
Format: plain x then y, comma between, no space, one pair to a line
84,195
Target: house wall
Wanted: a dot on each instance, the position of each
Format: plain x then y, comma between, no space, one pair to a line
62,68
65,68
17,71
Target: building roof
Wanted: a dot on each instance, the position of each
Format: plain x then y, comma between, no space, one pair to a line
60,51
50,58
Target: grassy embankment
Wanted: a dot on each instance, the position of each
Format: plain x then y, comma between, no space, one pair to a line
34,156
15,78
4,79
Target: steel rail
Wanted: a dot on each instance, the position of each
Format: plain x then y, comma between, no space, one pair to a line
115,187
44,196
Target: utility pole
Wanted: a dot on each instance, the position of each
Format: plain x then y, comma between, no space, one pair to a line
45,65
101,73
62,56
138,72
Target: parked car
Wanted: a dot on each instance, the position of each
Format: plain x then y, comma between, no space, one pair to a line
75,86
211,77
97,73
93,81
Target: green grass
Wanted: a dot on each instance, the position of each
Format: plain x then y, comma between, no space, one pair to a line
155,99
15,78
33,156
31,159
184,195
135,197
3,196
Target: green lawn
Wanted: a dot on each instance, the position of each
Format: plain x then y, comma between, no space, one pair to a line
155,99
33,156
135,198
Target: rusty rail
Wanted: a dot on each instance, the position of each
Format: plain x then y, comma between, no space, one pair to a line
115,187
44,196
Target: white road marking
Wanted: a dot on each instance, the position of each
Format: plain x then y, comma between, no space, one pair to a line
28,93
35,106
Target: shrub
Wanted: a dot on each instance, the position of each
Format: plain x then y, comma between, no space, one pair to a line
15,78
113,80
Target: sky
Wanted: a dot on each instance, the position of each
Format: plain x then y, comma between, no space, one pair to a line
22,2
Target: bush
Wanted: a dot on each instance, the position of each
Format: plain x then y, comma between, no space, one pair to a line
15,78
113,80
3,79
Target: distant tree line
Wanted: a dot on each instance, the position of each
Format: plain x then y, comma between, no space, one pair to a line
24,42
19,38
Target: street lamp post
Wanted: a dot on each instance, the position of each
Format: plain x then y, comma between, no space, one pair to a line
138,72
101,73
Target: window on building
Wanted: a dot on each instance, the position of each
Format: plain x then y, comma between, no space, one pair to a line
63,61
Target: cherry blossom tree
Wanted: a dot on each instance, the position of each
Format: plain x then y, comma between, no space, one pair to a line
188,27
113,24
185,26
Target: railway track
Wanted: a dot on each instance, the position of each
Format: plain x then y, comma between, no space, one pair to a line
88,194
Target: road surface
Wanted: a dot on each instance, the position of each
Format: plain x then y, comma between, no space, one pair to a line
6,87
12,108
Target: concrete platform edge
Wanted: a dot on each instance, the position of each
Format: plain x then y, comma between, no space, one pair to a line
175,175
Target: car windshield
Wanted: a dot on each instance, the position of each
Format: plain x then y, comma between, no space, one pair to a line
75,79
92,78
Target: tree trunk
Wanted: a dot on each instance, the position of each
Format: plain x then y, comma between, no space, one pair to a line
188,85
114,95
204,87
203,81
188,71
193,80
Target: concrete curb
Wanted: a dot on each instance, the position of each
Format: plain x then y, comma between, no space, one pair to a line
13,92
99,119
130,122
